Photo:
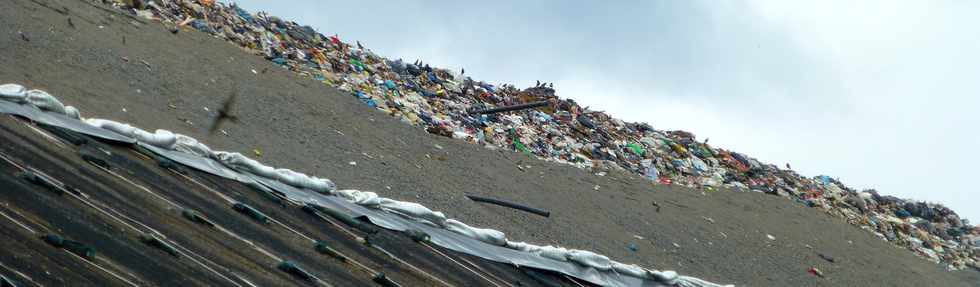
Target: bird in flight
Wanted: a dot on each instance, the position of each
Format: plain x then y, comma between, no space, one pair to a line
224,113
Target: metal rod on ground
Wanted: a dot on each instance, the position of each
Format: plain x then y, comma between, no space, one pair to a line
511,108
540,212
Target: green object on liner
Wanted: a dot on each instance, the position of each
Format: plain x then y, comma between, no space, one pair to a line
152,240
346,219
197,218
251,212
39,180
78,248
323,248
291,268
636,149
520,147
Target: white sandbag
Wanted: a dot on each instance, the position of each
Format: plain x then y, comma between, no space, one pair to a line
190,145
72,112
296,179
630,270
666,277
482,234
550,252
240,162
590,259
113,126
553,252
161,138
414,210
45,101
521,246
13,92
362,198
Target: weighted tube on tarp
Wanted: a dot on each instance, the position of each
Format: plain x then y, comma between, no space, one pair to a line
72,137
266,192
291,268
383,280
323,248
417,235
163,162
197,218
75,247
510,204
346,219
511,108
250,212
152,240
91,157
41,181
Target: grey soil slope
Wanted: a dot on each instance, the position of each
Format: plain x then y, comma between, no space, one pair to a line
297,123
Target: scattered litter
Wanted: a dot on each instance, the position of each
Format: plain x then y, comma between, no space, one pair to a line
770,237
815,272
295,270
147,65
353,163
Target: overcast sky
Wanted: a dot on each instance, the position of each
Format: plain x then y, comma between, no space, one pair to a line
882,95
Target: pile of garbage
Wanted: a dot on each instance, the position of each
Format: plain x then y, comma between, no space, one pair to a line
536,122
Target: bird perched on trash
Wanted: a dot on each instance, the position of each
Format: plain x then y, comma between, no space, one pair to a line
359,45
224,113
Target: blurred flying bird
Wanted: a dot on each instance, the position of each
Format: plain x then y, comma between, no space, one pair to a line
224,113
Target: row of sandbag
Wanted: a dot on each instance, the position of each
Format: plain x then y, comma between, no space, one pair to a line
178,142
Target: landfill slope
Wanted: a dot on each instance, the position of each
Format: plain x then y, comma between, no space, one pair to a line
114,66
